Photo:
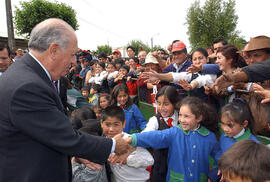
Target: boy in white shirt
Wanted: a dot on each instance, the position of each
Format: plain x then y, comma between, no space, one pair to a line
134,167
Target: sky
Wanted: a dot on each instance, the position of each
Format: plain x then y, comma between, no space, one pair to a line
118,22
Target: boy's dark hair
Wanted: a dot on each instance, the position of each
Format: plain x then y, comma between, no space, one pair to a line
3,46
223,41
208,113
115,92
246,159
131,47
238,111
170,92
119,61
112,63
85,113
96,87
91,126
85,88
101,64
102,55
135,59
93,62
113,111
76,123
126,67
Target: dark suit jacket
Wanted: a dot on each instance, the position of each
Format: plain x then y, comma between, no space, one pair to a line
36,137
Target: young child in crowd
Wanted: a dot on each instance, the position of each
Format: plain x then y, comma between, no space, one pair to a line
98,111
104,100
166,117
79,116
190,144
85,92
134,167
245,161
111,70
237,124
100,74
135,121
122,77
94,93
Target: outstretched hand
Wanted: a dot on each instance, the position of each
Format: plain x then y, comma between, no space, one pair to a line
264,92
186,86
89,164
121,146
121,159
221,83
194,68
151,76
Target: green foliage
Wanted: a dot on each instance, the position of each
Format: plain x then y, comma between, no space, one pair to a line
139,46
105,49
215,19
35,11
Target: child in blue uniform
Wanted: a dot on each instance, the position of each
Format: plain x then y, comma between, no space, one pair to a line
166,117
135,121
237,124
190,144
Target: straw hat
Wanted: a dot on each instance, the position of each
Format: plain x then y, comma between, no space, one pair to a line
150,59
259,42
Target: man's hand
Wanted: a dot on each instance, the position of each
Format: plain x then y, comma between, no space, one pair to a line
264,92
194,68
151,77
121,159
121,146
88,164
220,83
186,86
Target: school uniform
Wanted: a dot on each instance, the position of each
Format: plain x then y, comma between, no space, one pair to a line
226,142
160,167
134,120
188,151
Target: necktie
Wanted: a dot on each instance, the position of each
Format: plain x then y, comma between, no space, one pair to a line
121,106
170,120
55,85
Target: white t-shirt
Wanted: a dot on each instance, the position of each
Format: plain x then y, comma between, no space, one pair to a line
135,169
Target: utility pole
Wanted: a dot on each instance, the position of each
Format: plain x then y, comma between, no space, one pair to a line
11,41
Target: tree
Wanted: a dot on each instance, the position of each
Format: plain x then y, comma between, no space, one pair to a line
105,49
216,19
35,11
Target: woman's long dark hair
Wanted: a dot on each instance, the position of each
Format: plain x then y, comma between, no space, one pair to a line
231,52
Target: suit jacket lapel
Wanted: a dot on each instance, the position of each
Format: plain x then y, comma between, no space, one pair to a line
30,61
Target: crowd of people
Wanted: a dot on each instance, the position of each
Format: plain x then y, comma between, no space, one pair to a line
211,120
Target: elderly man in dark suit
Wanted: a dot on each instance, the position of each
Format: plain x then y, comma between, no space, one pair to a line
36,138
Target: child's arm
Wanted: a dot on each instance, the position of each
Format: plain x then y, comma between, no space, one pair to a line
154,139
140,121
152,124
140,158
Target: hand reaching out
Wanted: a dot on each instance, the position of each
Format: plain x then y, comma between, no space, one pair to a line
186,86
264,92
121,146
194,68
89,164
121,159
151,77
